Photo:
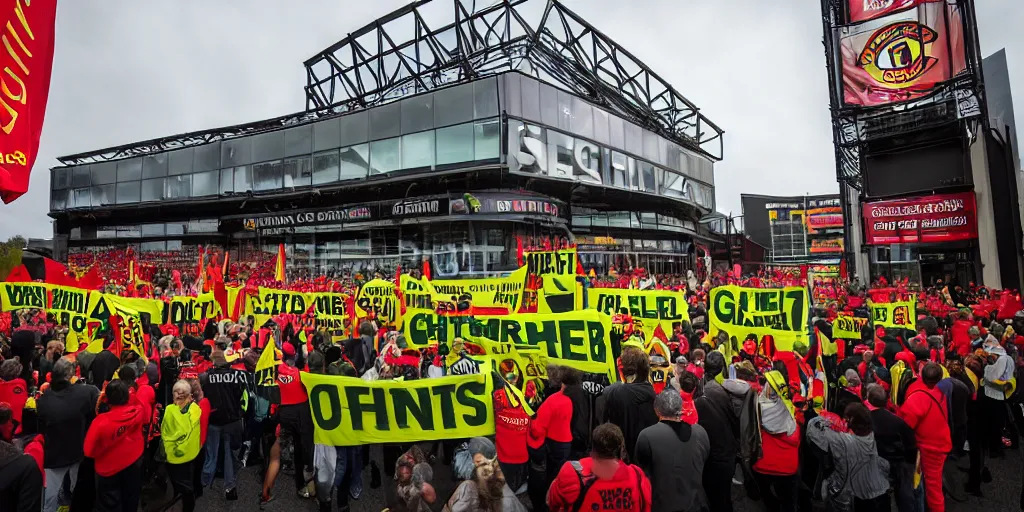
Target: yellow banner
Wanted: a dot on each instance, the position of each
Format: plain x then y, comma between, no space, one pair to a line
192,310
499,292
894,314
780,312
131,325
848,327
543,263
349,412
329,308
653,309
580,339
78,309
377,298
25,296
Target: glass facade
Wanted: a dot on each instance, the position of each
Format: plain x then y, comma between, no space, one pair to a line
451,126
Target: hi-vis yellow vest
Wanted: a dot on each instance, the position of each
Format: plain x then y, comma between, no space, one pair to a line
180,432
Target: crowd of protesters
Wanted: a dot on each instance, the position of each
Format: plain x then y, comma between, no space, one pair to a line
855,424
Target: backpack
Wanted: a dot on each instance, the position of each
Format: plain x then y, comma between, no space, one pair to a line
588,481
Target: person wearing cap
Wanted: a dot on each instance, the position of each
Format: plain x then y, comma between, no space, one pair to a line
225,388
672,453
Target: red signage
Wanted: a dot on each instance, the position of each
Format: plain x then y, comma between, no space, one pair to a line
27,58
863,10
927,219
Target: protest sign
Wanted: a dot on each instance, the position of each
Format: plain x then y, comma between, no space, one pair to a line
377,299
848,326
658,311
894,314
127,326
579,338
348,411
329,309
780,312
498,292
560,263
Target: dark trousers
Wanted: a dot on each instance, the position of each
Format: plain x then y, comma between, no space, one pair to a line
901,476
879,504
995,421
515,474
779,492
183,477
120,492
297,422
976,430
717,480
537,475
558,455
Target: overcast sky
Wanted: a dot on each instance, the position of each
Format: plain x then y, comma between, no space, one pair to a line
126,71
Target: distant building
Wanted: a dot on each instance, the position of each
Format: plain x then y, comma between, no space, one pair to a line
796,230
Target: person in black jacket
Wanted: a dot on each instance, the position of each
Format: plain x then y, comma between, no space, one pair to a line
105,364
715,414
895,442
23,346
224,387
64,412
630,404
21,483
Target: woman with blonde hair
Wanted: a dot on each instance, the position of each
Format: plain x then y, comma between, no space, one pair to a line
181,432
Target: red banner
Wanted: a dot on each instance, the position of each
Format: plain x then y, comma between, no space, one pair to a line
902,56
928,219
24,86
864,10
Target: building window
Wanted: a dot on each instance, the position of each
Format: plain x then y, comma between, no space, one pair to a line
179,162
81,176
154,166
153,246
384,156
485,97
153,190
267,176
178,187
227,181
355,162
418,150
129,170
487,137
128,192
152,229
104,173
417,113
59,200
453,105
326,167
243,182
102,195
207,157
298,140
385,121
268,146
297,172
455,144
205,183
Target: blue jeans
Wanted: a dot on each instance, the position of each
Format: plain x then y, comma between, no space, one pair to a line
218,439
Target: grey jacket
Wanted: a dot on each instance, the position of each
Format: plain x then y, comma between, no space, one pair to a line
672,454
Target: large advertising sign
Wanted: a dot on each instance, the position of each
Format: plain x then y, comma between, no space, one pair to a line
929,219
901,56
25,87
864,10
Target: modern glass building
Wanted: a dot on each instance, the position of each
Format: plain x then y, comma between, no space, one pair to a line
476,130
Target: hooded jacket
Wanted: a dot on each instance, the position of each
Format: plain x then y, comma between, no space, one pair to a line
720,418
630,406
926,412
21,482
115,438
672,454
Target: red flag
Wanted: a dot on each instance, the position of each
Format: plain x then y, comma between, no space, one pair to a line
56,273
843,272
91,280
224,271
200,270
19,275
426,270
519,251
279,274
115,327
29,60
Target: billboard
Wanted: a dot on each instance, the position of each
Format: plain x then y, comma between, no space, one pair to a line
864,10
901,56
923,219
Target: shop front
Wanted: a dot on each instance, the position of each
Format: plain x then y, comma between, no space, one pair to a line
923,238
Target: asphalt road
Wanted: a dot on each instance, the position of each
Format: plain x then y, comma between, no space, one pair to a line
1001,495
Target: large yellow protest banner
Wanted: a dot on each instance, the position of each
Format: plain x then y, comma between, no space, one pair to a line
498,292
349,412
580,339
894,314
779,312
330,309
654,309
377,298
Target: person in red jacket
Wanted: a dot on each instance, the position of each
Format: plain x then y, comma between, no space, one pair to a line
511,428
296,419
926,413
776,470
13,389
115,442
605,481
550,436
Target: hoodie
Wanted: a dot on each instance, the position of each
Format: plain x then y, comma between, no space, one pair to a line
64,415
630,406
21,482
115,438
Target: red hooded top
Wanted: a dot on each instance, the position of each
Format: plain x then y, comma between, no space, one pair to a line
15,393
961,341
115,438
925,412
781,453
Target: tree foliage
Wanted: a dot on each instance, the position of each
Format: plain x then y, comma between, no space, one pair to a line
10,254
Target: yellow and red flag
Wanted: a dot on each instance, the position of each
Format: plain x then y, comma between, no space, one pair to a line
279,264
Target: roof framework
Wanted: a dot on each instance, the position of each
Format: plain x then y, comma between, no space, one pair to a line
430,44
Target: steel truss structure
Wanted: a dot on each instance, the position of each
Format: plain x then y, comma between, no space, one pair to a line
431,44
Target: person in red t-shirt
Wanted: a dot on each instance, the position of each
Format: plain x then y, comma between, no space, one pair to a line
602,481
115,442
296,419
